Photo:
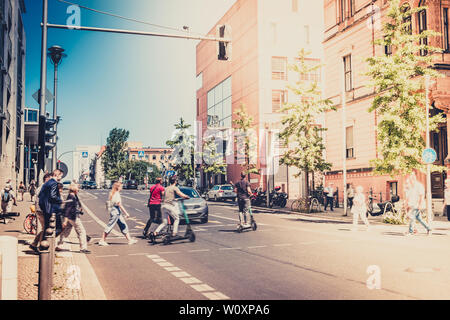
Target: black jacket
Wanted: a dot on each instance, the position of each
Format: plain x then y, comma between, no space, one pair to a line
73,206
49,198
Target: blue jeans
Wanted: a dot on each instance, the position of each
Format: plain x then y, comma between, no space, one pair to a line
116,217
415,214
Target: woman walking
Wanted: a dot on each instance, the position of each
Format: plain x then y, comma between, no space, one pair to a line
117,215
359,208
32,190
72,212
21,189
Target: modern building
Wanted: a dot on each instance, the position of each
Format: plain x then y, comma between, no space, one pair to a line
349,35
266,38
31,123
82,159
12,88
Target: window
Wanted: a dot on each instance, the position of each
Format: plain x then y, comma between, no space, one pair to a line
199,81
133,157
198,107
349,142
219,105
279,68
343,9
393,188
162,157
348,72
387,48
352,8
294,5
422,21
407,17
154,157
313,75
278,99
446,37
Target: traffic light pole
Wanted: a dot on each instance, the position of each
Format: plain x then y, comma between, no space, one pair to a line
43,88
55,116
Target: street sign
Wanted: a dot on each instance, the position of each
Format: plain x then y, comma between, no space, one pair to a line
140,154
170,173
84,154
48,96
63,167
150,169
429,156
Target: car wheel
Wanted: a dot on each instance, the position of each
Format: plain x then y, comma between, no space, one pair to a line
204,220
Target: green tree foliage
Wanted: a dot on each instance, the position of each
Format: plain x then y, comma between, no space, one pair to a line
213,160
300,130
139,170
398,82
182,144
245,138
114,160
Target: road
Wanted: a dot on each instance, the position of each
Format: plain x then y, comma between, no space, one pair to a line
289,257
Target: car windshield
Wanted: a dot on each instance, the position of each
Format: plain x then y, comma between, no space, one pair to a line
226,188
191,193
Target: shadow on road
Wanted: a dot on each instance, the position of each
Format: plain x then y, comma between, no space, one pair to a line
319,221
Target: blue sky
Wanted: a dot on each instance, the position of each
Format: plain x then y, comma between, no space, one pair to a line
142,84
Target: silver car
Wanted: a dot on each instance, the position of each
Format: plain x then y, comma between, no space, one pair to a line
196,207
221,192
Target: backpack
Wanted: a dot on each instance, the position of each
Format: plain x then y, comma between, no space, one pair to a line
6,196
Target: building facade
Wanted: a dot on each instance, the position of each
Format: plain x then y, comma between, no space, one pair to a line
349,35
266,38
12,88
83,157
160,157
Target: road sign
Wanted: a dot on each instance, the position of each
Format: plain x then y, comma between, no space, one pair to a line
48,96
140,154
150,169
429,156
170,173
63,167
84,154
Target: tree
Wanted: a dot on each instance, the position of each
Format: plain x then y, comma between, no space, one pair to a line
114,160
245,140
213,160
300,130
182,144
139,170
398,83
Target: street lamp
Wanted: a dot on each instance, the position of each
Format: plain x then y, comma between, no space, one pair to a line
56,54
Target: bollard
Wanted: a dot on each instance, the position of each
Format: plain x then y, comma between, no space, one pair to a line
51,239
44,286
8,250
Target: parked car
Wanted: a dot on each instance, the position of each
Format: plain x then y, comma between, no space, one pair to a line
130,184
196,206
221,192
66,184
89,185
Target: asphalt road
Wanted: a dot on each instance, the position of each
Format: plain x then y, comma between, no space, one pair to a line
287,258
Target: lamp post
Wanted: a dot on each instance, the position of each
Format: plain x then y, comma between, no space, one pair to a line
56,54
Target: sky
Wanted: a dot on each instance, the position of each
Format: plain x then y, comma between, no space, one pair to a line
139,83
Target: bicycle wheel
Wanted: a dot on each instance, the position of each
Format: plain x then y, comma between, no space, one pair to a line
30,224
314,206
295,205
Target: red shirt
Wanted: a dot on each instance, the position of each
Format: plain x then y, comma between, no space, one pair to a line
156,194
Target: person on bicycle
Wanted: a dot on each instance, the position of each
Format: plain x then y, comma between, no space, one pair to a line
170,207
243,191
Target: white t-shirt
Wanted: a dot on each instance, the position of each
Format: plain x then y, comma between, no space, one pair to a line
116,199
329,191
359,203
415,195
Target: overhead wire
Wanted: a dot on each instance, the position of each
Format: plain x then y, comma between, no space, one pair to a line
128,19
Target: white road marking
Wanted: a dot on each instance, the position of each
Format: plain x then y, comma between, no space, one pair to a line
169,252
199,250
190,280
215,296
202,287
181,274
170,269
255,247
165,264
282,245
230,248
137,254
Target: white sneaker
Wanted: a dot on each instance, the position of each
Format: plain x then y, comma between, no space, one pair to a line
103,243
133,241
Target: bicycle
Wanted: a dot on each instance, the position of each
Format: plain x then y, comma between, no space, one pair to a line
30,222
312,204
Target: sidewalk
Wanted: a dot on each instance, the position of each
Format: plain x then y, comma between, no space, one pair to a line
67,264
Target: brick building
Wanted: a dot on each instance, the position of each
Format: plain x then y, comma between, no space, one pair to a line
266,38
349,34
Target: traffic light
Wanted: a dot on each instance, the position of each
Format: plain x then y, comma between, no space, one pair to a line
46,134
224,47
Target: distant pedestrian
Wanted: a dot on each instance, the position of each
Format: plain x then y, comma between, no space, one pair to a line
40,217
359,208
447,199
329,195
7,195
117,215
32,190
21,190
350,195
415,202
154,205
72,212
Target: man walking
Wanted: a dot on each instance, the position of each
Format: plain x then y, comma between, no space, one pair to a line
329,193
50,200
415,201
40,217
